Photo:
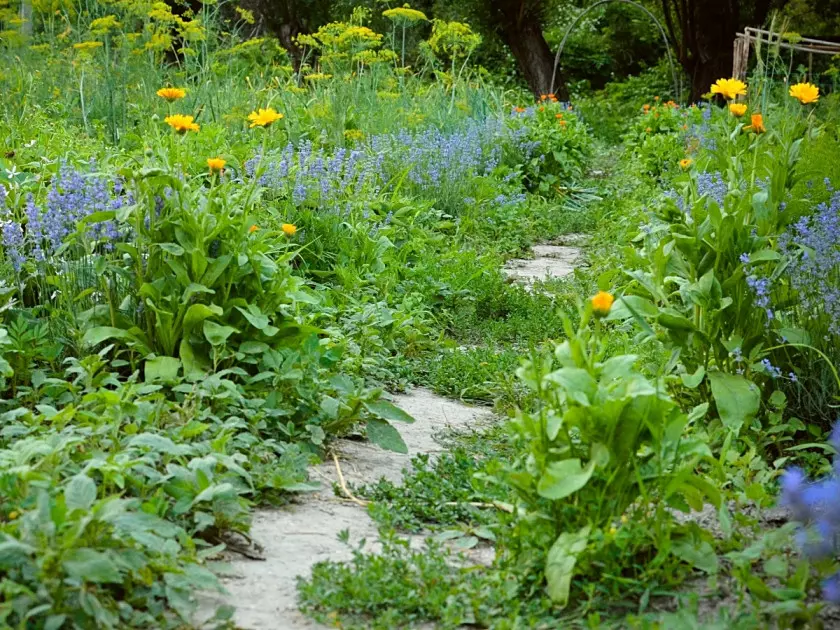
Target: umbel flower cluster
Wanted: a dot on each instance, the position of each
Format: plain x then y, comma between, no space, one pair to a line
816,504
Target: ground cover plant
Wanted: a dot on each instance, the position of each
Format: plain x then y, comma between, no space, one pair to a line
220,253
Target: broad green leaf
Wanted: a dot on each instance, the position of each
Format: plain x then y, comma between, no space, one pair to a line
14,553
159,443
214,491
385,436
560,564
700,556
388,411
217,334
795,335
89,565
578,383
564,478
194,289
673,320
197,313
692,381
172,248
163,369
737,398
95,336
80,493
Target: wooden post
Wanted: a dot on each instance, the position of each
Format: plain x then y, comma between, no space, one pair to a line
740,56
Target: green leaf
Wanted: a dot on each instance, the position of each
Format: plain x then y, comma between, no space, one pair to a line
164,369
795,335
560,564
99,217
737,398
193,369
172,248
700,556
388,411
14,553
578,383
80,493
89,565
193,289
385,436
95,336
673,320
217,334
159,443
197,313
692,381
210,493
564,478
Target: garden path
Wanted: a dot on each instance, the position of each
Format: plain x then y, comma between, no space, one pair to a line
297,536
551,261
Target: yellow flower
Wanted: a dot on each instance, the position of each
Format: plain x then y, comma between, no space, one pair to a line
171,94
729,88
289,229
805,93
685,163
354,134
624,519
757,125
181,123
613,531
405,13
264,117
253,229
87,47
602,303
215,164
737,109
318,76
13,515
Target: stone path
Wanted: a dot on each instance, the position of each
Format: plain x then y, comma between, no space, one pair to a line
551,261
299,535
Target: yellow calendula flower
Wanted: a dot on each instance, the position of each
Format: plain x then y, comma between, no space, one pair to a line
602,303
289,229
685,163
805,93
729,88
180,123
737,109
264,117
13,515
216,165
253,229
171,94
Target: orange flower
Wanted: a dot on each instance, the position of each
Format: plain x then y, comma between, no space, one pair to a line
558,115
543,97
757,125
685,163
646,107
656,98
563,123
519,110
289,229
216,165
253,229
602,303
648,130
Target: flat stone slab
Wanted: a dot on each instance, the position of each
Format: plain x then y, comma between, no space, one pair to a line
549,262
296,537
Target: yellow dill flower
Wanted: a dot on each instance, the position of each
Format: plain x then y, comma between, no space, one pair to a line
737,109
216,164
180,123
685,163
406,14
87,47
264,117
171,93
729,88
805,93
246,15
103,25
354,134
602,303
289,229
317,76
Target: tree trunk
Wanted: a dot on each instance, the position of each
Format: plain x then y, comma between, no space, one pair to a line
521,30
715,25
